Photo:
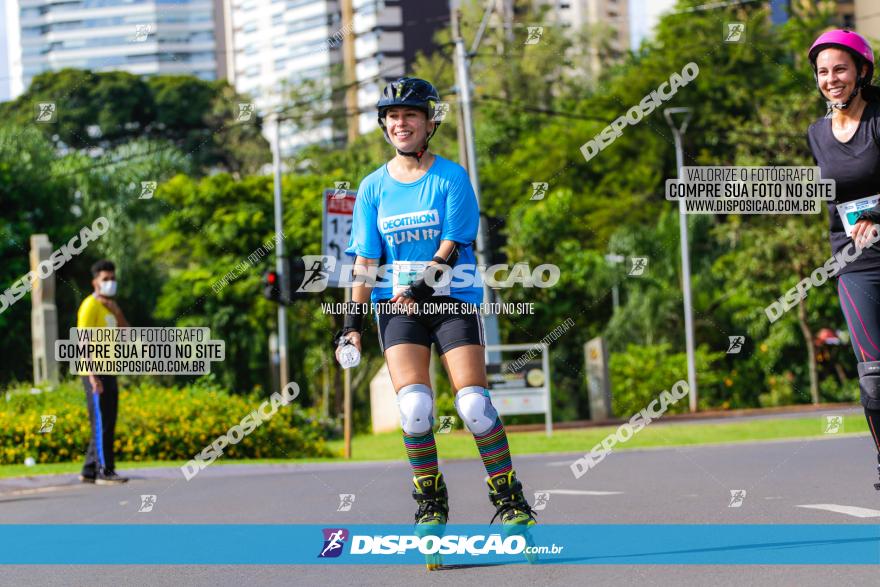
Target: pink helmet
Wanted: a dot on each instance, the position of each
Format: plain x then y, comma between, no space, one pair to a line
850,41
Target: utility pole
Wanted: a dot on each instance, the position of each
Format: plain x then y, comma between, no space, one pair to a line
677,133
351,115
280,264
349,68
463,83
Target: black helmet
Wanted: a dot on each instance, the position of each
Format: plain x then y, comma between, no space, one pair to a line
414,93
408,91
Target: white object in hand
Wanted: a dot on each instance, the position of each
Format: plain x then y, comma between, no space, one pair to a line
349,356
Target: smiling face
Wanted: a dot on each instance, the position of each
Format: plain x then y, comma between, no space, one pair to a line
836,74
407,128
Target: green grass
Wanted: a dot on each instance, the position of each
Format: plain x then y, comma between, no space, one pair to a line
460,445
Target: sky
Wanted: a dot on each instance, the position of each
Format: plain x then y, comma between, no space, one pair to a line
643,16
4,62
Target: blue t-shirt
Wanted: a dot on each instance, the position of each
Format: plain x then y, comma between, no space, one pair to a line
396,221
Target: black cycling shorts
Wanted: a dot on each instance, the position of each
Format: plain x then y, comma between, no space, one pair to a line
443,320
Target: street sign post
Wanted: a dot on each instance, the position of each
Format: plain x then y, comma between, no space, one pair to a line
518,386
337,212
338,209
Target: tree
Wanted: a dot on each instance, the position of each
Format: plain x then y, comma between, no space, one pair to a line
98,111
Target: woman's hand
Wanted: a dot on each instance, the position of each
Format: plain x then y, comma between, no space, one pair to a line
864,232
405,302
354,338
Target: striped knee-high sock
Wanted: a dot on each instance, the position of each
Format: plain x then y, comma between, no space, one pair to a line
494,449
422,453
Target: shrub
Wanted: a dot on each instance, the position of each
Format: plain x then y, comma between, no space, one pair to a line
642,372
154,423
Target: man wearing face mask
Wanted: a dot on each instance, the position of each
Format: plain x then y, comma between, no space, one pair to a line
102,392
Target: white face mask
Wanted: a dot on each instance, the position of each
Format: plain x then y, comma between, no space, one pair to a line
107,288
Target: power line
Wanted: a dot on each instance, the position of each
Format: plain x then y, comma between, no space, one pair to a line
524,108
714,5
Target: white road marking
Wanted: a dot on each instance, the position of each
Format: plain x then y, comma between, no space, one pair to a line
844,509
577,492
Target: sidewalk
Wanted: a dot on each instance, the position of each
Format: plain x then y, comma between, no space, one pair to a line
708,417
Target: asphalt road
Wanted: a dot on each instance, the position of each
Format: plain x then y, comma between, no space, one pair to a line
690,485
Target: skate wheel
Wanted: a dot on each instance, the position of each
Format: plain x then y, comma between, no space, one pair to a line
433,561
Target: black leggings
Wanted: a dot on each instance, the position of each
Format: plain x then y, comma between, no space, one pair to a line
859,294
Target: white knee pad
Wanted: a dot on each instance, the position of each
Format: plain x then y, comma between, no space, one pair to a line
416,403
475,408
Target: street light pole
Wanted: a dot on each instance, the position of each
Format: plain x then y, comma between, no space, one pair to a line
614,259
463,83
677,133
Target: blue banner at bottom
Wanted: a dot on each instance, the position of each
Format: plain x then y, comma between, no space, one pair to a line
209,544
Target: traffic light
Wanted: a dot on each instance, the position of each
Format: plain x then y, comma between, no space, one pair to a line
296,270
283,291
272,286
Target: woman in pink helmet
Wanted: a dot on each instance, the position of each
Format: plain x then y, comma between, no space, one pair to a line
846,146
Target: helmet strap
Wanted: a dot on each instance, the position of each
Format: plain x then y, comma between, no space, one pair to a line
860,81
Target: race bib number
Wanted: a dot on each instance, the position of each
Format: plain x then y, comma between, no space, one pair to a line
406,272
850,211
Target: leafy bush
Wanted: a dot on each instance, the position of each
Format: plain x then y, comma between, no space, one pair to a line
642,372
831,390
155,423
